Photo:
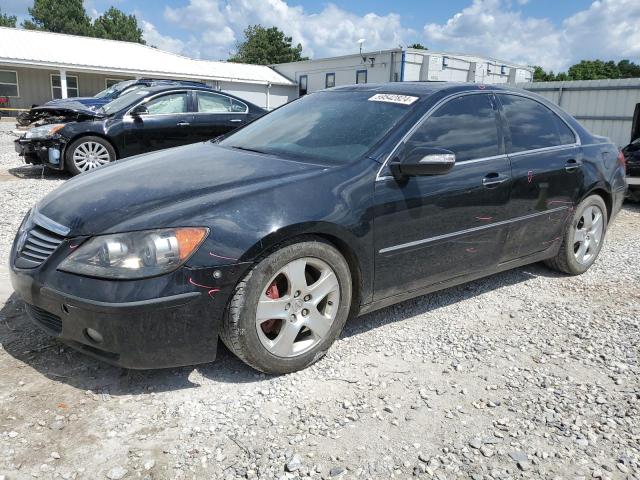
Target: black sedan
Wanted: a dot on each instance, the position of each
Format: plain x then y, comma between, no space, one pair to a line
632,156
78,139
337,204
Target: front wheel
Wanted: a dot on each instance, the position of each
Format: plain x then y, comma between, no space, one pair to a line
583,238
88,153
290,308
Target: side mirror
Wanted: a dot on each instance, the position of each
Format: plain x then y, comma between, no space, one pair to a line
139,111
419,160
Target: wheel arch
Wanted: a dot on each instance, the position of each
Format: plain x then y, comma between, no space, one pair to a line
338,237
602,192
78,136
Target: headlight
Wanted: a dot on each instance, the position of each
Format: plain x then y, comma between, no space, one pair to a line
135,254
44,131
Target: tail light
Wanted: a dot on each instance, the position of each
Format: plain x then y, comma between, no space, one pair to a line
621,160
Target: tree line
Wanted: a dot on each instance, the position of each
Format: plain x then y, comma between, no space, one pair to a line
70,17
590,70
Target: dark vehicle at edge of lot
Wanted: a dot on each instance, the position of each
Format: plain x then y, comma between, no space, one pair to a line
339,203
632,158
78,139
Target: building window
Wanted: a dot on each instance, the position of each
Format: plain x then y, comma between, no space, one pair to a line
330,80
503,70
56,86
445,62
108,82
361,76
302,85
9,84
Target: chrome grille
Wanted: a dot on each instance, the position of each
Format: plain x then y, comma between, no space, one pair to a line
39,245
37,239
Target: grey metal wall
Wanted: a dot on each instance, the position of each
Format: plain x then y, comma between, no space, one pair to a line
604,107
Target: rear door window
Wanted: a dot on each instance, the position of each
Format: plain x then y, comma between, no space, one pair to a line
532,126
466,125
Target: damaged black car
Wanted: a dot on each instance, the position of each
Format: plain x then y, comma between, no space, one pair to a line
76,138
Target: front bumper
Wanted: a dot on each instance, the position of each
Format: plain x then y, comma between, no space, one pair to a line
178,325
49,151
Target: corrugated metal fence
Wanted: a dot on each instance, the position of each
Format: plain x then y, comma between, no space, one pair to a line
604,107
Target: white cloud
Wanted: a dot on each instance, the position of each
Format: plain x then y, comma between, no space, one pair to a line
163,42
608,29
491,27
332,31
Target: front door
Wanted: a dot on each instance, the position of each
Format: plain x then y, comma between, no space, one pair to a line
546,165
429,229
167,123
217,114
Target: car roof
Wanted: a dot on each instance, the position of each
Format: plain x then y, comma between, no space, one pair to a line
422,89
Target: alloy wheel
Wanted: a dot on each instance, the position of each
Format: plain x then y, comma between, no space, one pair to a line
588,234
298,306
90,155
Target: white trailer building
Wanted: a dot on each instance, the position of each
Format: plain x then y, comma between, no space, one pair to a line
397,65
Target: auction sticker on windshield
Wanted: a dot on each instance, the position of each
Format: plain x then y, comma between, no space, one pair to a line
393,98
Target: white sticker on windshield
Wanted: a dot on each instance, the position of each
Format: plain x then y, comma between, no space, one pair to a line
393,98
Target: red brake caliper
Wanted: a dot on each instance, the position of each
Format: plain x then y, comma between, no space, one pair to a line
273,294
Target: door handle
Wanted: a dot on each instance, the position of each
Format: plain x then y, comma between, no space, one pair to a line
494,179
183,124
236,120
572,165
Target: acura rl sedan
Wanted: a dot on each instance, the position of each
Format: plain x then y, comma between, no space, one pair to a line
339,203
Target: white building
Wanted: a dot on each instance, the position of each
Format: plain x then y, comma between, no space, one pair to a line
398,65
38,66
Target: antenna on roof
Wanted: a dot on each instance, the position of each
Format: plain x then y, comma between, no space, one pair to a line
360,42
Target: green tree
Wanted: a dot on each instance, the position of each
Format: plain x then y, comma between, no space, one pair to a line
266,46
628,69
540,75
7,20
61,16
117,25
593,70
418,46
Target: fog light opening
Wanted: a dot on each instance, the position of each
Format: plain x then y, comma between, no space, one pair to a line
93,335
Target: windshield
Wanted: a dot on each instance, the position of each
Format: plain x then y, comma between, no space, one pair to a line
123,101
328,126
113,89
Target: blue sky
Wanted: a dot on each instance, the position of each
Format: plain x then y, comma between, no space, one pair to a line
553,34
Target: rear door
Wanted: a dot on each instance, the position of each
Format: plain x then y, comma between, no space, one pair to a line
546,164
429,229
167,124
217,114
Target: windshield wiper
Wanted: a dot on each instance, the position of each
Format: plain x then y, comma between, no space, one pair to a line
248,149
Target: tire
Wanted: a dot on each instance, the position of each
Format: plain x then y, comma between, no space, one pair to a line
262,341
88,153
569,259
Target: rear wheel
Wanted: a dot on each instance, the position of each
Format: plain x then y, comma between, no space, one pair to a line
583,239
88,153
286,313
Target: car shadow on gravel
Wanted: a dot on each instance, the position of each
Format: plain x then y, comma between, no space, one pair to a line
29,345
37,172
26,343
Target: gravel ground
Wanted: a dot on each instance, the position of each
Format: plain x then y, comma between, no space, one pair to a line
525,374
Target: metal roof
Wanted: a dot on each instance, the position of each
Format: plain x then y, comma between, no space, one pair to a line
56,50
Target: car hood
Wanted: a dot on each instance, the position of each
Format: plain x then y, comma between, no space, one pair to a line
166,188
66,108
